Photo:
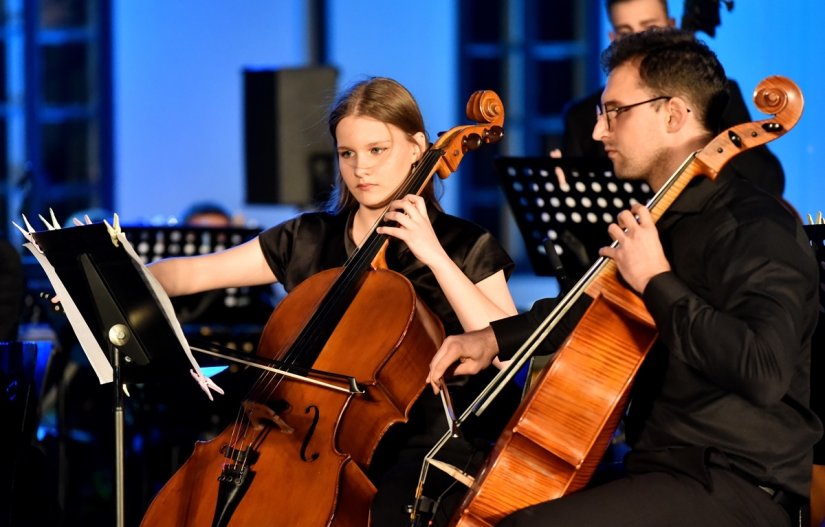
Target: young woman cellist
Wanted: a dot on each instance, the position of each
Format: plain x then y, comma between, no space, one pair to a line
457,269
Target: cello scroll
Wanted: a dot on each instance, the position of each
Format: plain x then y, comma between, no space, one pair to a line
775,95
484,107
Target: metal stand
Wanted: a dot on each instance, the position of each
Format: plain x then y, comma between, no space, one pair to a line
113,305
118,336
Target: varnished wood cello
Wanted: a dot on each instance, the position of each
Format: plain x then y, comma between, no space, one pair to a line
298,452
553,443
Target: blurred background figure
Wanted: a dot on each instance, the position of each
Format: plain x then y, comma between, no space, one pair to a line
11,291
759,165
207,214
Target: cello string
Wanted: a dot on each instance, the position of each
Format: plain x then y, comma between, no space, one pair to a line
528,348
356,265
359,262
354,268
340,292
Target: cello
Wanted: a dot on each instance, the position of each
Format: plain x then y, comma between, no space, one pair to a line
554,441
347,365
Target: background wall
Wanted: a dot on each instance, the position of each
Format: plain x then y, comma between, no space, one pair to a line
178,121
758,39
178,86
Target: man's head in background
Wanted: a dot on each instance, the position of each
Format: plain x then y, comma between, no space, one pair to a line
633,16
207,214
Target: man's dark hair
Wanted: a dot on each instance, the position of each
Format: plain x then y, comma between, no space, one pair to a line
673,62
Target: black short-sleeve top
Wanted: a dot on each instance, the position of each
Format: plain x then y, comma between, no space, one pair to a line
317,241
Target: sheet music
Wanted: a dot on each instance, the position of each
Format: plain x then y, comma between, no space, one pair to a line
169,313
98,358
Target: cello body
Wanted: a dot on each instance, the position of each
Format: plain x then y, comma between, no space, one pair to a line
325,438
555,440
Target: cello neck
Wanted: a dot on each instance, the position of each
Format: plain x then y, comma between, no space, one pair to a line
322,323
371,252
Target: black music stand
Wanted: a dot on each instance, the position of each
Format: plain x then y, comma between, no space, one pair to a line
572,216
113,303
233,317
156,242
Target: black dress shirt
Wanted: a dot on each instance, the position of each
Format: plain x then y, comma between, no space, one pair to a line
317,241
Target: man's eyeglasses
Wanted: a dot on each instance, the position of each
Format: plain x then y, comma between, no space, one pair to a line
602,111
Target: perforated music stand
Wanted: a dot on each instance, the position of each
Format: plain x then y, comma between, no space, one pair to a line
572,215
234,316
113,303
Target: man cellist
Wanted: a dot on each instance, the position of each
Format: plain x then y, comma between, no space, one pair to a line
719,420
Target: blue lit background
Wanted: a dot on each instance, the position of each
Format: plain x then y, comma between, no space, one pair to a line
178,99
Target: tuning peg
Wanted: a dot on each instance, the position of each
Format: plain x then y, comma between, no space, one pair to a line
472,142
493,134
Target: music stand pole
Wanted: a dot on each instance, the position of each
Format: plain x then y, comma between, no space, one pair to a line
118,337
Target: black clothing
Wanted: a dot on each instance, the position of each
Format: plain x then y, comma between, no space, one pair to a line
313,242
11,291
728,382
759,165
659,499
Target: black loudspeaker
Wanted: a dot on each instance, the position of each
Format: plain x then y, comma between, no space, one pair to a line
288,152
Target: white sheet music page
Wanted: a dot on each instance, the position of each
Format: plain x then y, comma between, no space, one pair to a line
97,357
163,301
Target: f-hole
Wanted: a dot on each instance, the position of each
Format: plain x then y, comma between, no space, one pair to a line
305,443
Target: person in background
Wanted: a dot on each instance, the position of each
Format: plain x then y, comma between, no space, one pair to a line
719,421
206,214
626,17
11,291
455,266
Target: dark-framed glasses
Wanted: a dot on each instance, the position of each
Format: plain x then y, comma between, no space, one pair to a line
618,110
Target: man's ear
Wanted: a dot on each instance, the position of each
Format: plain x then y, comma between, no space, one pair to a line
678,113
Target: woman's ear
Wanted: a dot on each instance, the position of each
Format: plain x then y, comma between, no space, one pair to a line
419,145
